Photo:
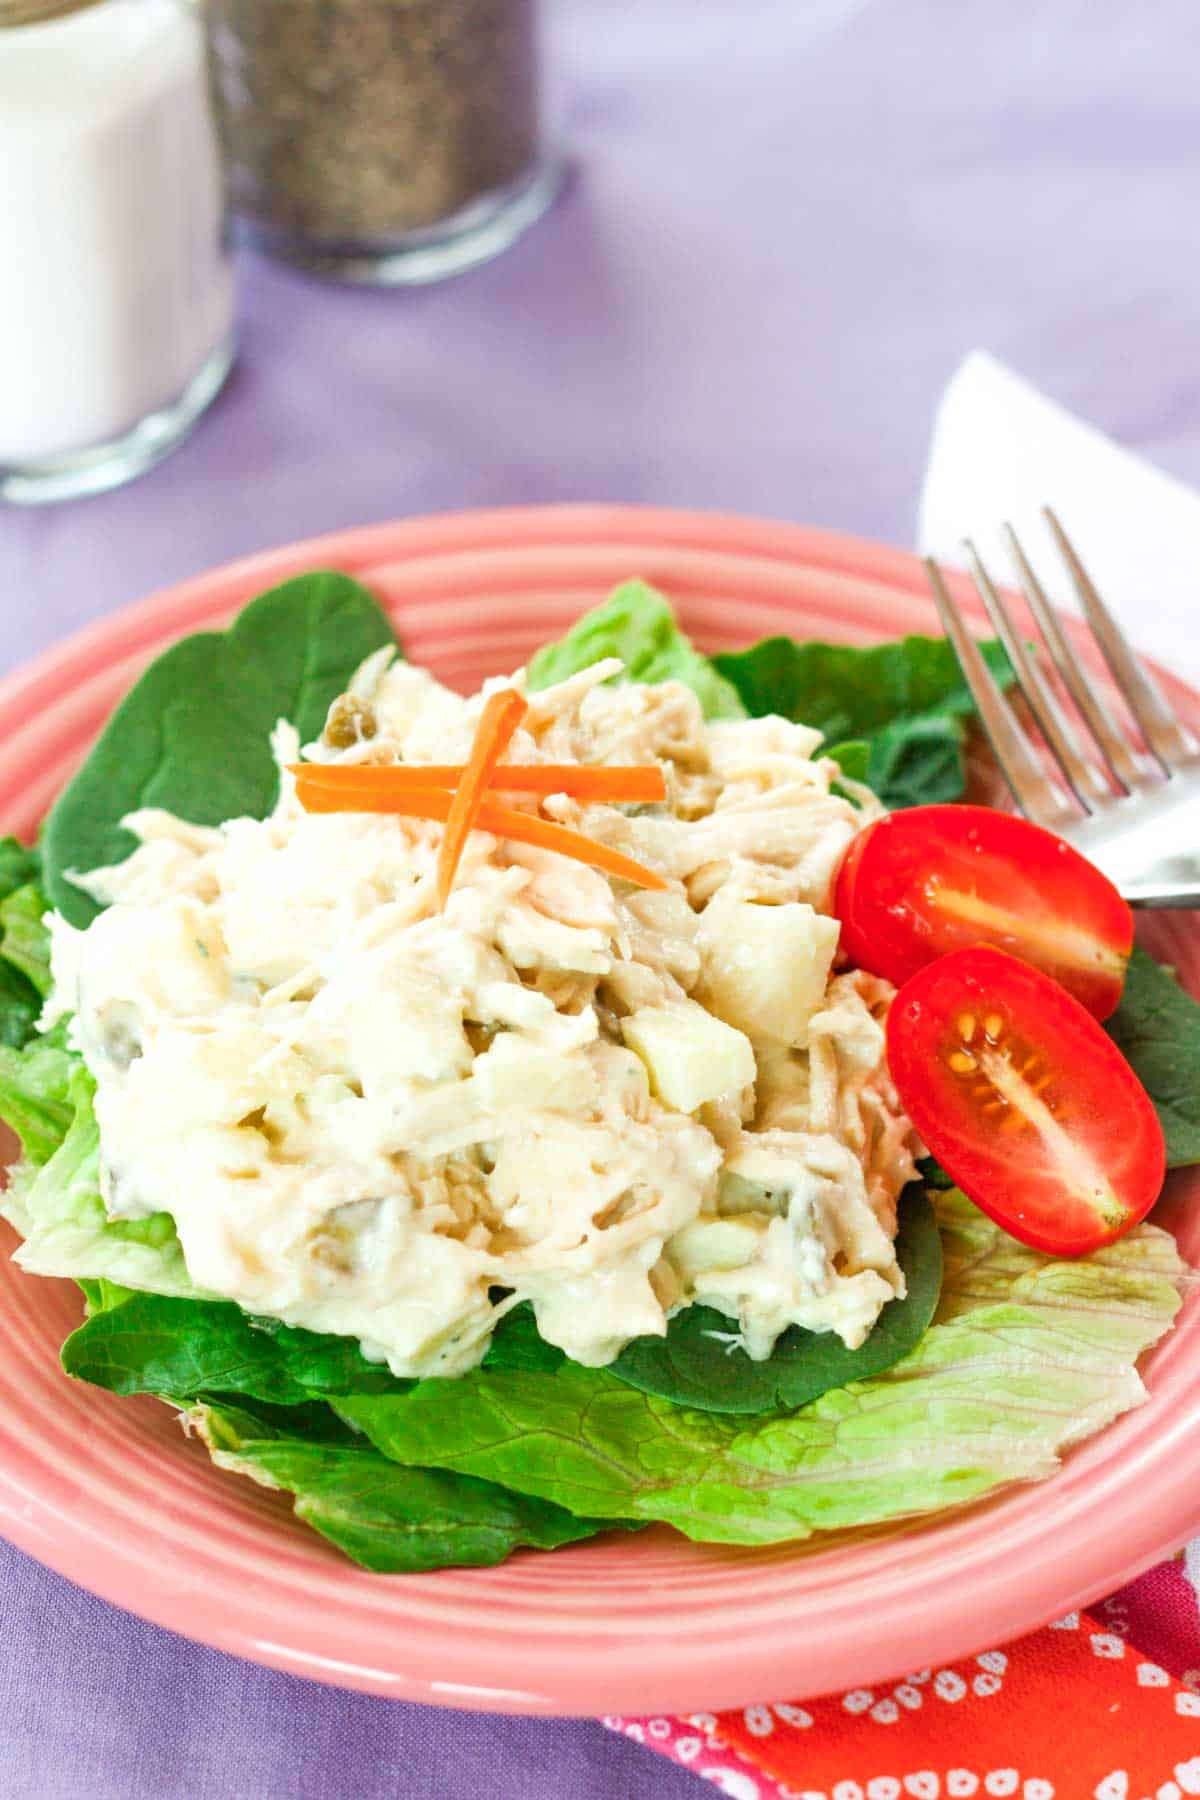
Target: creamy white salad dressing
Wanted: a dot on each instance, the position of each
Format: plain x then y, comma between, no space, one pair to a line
367,1117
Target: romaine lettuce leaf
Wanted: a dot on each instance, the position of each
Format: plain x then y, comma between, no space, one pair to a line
35,1093
18,866
1027,1356
636,623
24,944
102,1295
24,939
58,1210
20,1005
387,1518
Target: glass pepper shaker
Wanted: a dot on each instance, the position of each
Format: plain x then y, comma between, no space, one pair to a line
387,141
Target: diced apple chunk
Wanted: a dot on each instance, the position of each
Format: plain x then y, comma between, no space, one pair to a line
690,1056
710,1244
516,1074
764,969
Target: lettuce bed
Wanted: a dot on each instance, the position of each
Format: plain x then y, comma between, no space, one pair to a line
996,1361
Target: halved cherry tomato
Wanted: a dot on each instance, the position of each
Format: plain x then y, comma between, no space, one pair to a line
1024,1101
921,883
842,903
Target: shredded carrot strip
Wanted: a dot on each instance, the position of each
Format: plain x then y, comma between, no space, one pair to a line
583,781
501,821
501,715
543,834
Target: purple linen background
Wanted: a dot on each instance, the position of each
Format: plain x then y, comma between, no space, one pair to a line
791,218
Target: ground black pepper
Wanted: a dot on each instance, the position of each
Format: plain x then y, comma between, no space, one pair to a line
355,123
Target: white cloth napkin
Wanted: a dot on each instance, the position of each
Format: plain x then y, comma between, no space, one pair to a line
1001,451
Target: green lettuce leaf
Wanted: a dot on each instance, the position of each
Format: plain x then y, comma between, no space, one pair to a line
636,623
161,1344
18,866
193,735
516,1343
24,938
853,758
1156,1027
388,1519
158,1344
24,944
906,700
1027,1356
697,1365
35,1093
58,1210
102,1295
20,1005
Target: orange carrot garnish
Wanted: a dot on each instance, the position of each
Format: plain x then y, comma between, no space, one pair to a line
501,715
638,783
528,828
502,821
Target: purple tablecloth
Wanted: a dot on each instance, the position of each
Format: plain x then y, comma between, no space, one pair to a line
790,219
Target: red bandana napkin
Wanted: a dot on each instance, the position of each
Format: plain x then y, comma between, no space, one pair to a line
1072,1712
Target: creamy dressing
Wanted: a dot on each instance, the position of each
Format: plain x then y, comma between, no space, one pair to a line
373,1118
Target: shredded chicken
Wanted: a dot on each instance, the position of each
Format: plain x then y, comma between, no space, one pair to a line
373,1118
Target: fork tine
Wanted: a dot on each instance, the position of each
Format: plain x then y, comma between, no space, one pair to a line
1080,773
1156,722
1092,708
1039,798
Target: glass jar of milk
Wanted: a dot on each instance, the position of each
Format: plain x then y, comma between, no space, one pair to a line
116,283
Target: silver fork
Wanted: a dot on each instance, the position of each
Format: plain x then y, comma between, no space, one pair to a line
1132,807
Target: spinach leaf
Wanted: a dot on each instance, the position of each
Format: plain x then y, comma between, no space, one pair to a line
919,762
161,1344
853,758
517,1344
387,1518
906,699
636,623
1026,1356
193,734
1156,1027
697,1365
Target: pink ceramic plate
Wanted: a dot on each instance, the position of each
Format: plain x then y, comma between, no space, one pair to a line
108,1492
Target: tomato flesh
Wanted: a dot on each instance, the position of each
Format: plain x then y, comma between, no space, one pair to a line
1024,1101
934,879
